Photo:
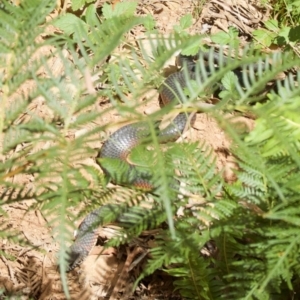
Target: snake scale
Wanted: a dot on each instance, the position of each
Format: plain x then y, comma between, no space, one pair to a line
121,142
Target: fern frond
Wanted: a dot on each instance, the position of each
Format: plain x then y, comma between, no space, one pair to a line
257,245
198,170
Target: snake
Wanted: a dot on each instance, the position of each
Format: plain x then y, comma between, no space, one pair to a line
119,145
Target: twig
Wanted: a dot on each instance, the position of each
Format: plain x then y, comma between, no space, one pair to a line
10,271
125,272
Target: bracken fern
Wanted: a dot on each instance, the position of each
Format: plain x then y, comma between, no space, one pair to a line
253,222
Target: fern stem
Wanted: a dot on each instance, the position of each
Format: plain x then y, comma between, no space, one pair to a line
5,96
281,261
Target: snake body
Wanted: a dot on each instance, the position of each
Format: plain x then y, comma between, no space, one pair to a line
118,147
86,238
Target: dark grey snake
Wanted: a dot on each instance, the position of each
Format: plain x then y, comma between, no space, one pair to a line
121,142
